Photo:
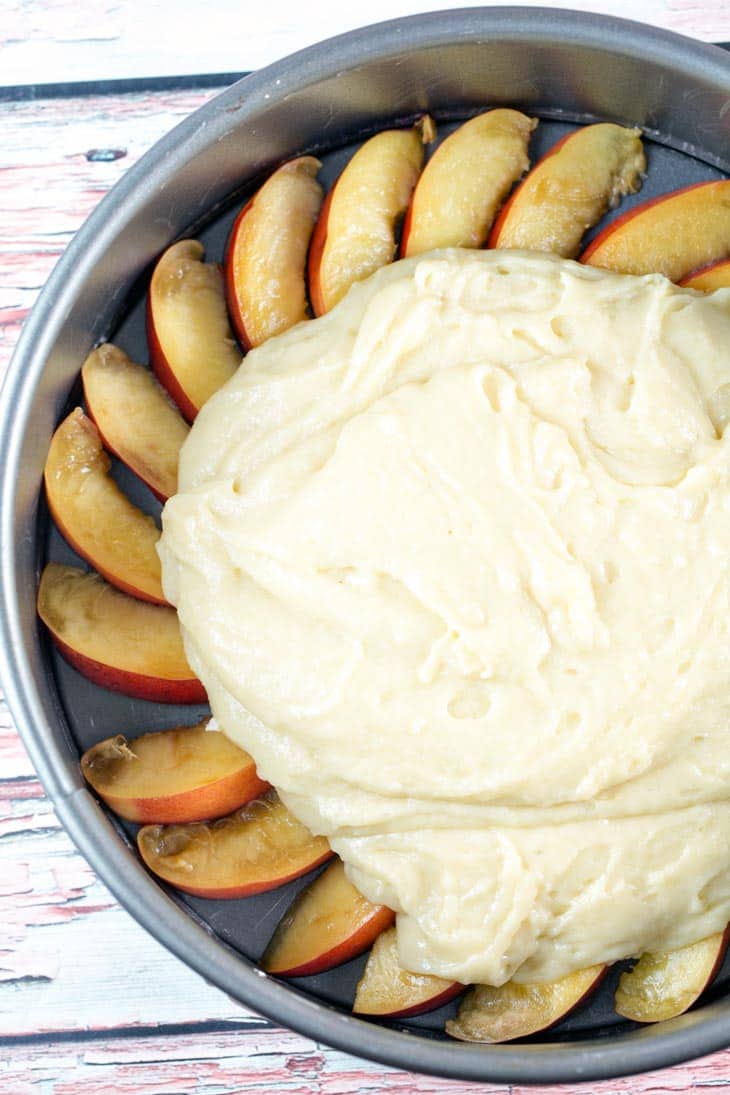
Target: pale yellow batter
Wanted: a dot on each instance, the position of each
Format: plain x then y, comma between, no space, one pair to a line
452,562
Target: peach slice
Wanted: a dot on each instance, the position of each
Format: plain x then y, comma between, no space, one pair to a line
329,923
115,640
188,773
490,1014
135,417
96,518
465,182
387,990
267,253
665,984
356,229
672,235
190,340
570,189
709,278
255,849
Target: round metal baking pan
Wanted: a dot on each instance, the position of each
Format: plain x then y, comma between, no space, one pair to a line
565,67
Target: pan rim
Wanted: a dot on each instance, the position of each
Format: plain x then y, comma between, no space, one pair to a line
692,1035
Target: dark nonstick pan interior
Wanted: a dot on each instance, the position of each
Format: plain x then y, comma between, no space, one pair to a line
61,714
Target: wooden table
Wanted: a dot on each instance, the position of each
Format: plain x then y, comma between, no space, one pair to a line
88,1001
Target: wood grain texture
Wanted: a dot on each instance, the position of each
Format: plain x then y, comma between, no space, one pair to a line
89,1003
52,40
265,1061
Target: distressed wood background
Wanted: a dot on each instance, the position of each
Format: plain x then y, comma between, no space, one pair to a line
89,1003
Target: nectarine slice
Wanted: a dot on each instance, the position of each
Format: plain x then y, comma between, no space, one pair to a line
665,984
570,189
709,278
387,990
255,849
511,1011
465,182
672,235
330,922
356,230
114,640
266,258
190,340
135,417
93,514
188,773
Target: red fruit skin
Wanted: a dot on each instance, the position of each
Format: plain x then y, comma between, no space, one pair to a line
631,213
430,1004
199,804
136,685
314,260
493,238
113,579
110,449
719,265
164,373
229,279
262,886
346,949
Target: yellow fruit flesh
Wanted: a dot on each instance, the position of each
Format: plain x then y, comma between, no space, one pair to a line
95,516
570,190
370,195
466,180
490,1014
136,417
105,625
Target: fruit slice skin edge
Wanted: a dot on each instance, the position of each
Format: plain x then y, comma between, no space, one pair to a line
178,775
115,641
266,253
664,985
95,517
328,923
253,850
387,991
136,418
510,1011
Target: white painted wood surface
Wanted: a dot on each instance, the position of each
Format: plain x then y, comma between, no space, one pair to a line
88,1001
44,41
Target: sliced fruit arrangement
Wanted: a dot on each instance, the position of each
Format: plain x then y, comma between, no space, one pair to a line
188,773
465,182
115,640
136,419
673,235
266,258
356,229
329,923
388,991
212,826
709,278
191,344
570,189
255,849
511,1011
664,985
93,514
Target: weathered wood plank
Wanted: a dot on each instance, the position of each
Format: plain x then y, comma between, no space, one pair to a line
48,185
50,40
65,939
265,1061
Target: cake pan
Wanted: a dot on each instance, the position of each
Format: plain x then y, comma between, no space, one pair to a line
565,67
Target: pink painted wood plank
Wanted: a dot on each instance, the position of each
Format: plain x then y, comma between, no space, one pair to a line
266,1061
